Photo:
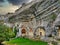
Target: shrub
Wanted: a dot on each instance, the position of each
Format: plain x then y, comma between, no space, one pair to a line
5,33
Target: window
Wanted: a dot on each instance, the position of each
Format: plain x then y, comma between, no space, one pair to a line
40,33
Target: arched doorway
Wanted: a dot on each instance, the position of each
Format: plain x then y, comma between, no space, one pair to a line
23,31
40,32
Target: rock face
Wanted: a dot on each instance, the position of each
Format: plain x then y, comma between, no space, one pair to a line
57,21
57,25
36,14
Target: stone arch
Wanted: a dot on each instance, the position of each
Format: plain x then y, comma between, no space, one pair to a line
39,31
23,31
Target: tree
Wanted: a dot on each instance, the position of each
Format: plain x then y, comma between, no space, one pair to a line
5,33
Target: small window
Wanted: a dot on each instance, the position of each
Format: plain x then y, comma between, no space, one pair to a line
40,33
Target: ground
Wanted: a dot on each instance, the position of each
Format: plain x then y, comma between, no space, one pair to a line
25,41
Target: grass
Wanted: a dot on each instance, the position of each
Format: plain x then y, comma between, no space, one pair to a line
24,41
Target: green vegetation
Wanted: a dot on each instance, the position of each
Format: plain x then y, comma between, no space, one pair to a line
25,41
53,16
15,31
5,33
